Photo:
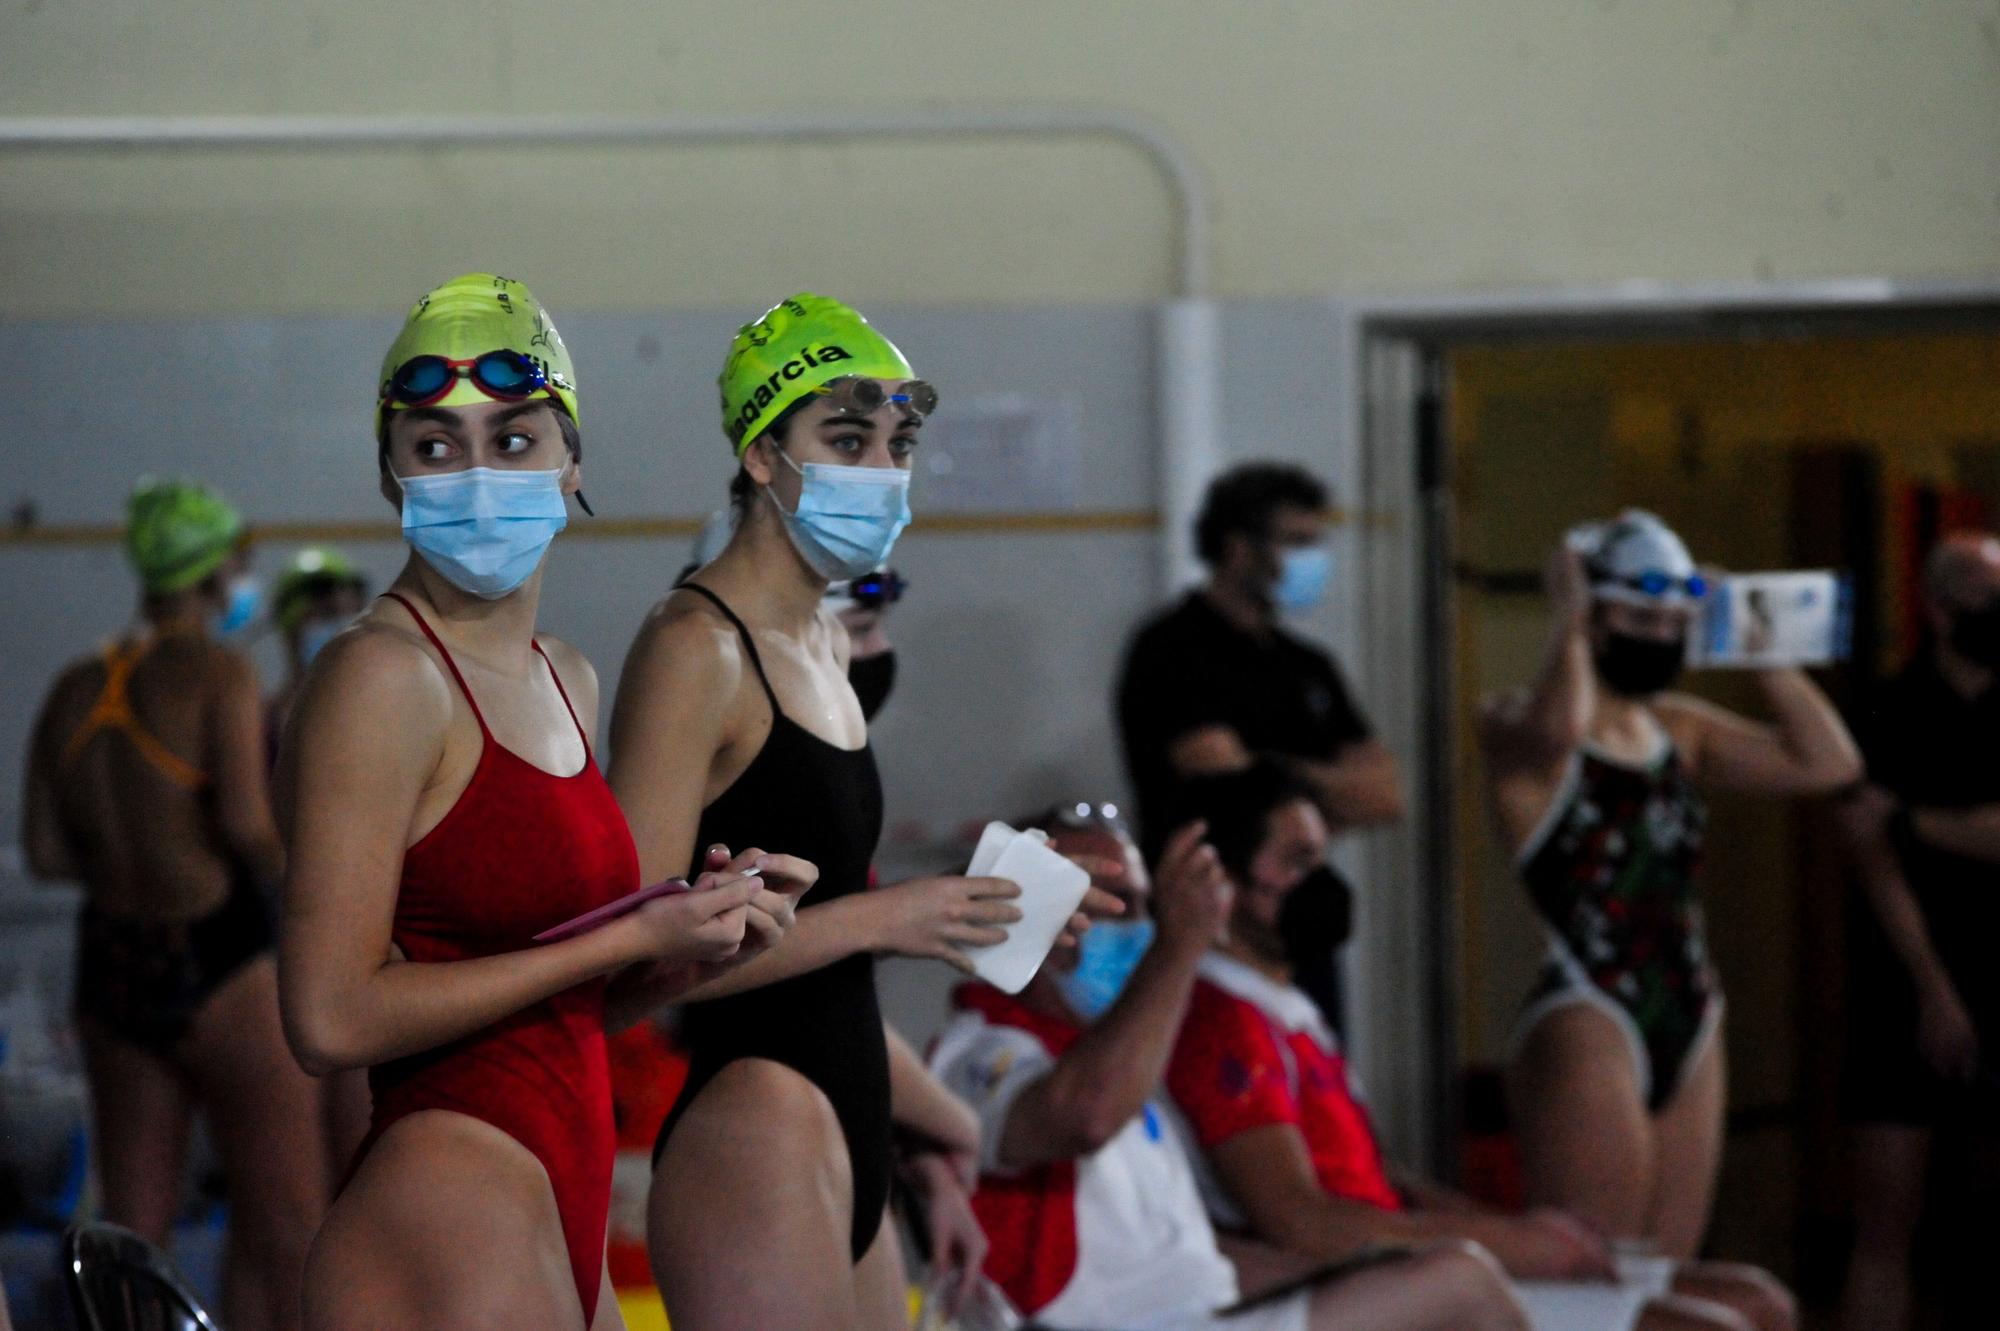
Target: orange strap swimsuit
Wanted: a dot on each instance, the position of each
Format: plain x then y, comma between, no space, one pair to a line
112,713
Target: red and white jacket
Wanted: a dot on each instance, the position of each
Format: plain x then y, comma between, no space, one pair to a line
1254,1052
1116,1238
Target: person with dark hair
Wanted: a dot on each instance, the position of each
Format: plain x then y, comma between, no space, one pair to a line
1925,836
1218,682
1288,1152
736,723
1088,1197
443,807
147,783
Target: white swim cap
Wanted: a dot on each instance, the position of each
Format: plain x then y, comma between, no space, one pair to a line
1637,559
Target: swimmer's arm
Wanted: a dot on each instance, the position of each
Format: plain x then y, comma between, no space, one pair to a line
238,761
1544,723
920,1103
367,739
819,936
1972,832
1807,752
668,721
44,842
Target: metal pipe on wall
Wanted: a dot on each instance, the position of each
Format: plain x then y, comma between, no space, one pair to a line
1189,366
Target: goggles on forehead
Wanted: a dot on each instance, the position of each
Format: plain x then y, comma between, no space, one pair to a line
1085,814
1653,582
853,393
505,376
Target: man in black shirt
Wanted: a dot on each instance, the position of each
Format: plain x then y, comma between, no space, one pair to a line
1216,682
1924,1007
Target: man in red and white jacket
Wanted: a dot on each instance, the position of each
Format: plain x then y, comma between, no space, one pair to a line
1287,1151
1086,1194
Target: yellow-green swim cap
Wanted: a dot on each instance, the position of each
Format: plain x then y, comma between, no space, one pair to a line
468,317
795,346
177,533
310,570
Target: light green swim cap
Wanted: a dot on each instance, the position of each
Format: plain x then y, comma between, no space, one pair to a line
468,317
795,346
177,533
315,568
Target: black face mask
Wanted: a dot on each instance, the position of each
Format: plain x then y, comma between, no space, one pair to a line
1317,917
1639,667
872,678
1975,635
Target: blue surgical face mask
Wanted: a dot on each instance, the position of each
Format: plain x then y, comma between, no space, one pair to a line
1303,575
483,529
314,635
1106,958
239,606
848,517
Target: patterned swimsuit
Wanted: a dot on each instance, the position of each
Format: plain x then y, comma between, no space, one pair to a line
1612,871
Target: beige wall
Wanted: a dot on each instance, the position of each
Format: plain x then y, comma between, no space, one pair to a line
1421,144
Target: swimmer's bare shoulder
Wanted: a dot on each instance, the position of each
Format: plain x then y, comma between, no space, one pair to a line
680,690
64,707
688,643
374,693
577,675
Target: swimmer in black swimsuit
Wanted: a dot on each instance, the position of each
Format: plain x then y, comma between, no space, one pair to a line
146,782
1617,1080
735,713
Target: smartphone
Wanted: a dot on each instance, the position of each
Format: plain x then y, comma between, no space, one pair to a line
605,914
1319,1275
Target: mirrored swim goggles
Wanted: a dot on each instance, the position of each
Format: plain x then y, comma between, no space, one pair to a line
1655,583
875,590
504,376
855,395
1084,814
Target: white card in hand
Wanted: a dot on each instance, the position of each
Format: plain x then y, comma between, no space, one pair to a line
992,841
1051,890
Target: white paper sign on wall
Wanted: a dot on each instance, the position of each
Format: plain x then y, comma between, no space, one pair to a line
999,453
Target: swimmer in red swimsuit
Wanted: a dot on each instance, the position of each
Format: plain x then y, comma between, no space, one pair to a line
442,806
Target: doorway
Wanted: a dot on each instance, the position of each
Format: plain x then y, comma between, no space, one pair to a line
1801,437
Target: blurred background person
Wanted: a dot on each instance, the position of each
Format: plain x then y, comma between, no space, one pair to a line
1085,1191
1218,682
319,593
1288,1151
147,783
1925,1010
1617,1087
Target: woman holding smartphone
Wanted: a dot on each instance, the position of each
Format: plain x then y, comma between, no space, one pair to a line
735,712
442,807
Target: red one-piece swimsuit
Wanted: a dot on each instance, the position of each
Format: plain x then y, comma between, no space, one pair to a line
521,850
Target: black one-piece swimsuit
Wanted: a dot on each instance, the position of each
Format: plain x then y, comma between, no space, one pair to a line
803,796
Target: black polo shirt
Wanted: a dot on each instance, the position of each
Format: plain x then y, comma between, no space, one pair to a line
1932,747
1189,668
